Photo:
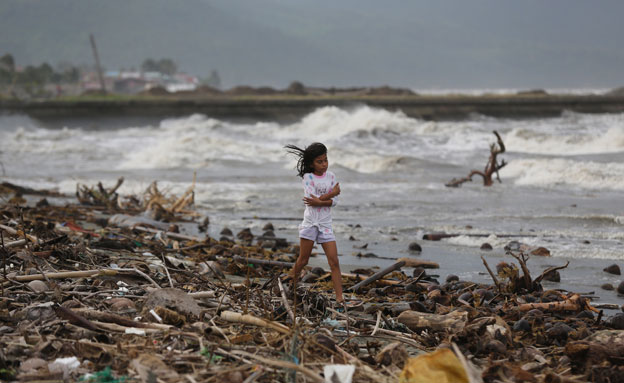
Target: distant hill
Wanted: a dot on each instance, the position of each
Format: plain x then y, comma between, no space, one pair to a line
478,44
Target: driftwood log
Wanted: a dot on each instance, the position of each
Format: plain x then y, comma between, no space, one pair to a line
377,275
574,303
439,236
255,321
418,321
263,262
492,166
411,262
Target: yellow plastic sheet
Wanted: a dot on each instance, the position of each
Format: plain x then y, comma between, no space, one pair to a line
440,366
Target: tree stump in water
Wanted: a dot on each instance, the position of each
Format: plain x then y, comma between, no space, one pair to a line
491,167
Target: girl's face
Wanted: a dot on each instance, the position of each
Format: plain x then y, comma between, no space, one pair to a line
320,165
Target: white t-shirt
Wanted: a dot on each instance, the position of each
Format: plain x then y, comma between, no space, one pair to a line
317,186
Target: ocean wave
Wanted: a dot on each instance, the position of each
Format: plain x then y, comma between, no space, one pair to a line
360,138
599,218
332,123
537,142
552,172
570,134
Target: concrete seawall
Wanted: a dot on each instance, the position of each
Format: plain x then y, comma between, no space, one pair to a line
284,108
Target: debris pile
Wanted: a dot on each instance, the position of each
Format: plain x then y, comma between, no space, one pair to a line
108,291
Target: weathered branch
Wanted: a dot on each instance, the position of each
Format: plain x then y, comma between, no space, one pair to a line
491,167
496,282
573,303
549,270
252,320
528,283
378,275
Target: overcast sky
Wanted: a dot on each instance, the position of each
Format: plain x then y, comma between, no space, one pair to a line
409,43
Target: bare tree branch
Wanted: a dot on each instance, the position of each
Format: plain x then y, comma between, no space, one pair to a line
492,166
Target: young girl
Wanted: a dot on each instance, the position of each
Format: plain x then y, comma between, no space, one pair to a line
320,191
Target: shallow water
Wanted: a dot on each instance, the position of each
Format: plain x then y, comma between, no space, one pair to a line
563,185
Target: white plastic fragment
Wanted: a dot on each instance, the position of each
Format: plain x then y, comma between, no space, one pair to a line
135,331
304,320
64,365
338,373
158,318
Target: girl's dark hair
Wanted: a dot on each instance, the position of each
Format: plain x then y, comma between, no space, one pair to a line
306,156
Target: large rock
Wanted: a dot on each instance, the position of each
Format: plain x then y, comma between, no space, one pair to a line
415,247
613,269
541,252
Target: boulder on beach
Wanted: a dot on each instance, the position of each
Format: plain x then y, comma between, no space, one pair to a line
541,252
415,247
613,269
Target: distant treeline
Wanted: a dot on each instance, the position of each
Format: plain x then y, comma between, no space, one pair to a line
32,79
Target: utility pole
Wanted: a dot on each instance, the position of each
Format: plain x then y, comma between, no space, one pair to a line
97,63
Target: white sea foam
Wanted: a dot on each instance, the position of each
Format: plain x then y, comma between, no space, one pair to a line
472,241
601,219
556,242
332,123
360,140
555,171
575,143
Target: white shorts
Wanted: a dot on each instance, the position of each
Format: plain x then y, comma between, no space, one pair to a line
314,234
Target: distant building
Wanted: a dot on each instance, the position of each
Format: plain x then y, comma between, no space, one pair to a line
129,85
132,82
182,82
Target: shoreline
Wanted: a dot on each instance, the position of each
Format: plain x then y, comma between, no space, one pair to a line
198,304
292,107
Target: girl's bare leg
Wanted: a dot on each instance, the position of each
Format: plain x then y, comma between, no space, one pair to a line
331,252
305,249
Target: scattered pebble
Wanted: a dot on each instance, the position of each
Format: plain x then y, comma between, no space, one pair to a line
38,286
415,247
486,246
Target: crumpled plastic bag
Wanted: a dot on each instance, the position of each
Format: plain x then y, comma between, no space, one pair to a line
440,366
64,365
